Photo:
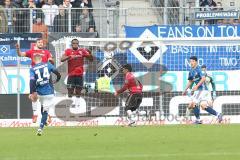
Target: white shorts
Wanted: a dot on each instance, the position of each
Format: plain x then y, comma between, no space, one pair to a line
46,101
200,96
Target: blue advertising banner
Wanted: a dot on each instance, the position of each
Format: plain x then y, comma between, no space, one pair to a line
185,31
8,54
175,58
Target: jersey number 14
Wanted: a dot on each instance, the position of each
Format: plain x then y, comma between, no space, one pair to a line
45,74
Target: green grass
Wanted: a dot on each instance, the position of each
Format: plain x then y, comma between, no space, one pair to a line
174,142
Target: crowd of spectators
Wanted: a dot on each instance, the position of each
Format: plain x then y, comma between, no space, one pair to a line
211,5
46,16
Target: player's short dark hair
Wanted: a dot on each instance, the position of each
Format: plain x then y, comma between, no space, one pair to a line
75,39
194,58
128,67
39,39
203,66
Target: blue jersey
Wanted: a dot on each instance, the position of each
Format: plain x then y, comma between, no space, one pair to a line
195,75
41,74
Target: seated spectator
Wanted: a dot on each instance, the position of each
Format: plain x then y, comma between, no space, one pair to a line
50,10
225,21
40,27
60,23
219,6
232,21
208,4
91,29
78,28
220,22
86,20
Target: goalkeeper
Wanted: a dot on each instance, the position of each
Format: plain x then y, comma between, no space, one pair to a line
209,81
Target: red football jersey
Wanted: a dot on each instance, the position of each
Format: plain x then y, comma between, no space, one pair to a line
75,65
132,84
45,55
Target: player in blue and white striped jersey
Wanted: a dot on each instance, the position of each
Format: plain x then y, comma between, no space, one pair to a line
200,95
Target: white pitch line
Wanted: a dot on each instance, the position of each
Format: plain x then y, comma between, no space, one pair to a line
163,155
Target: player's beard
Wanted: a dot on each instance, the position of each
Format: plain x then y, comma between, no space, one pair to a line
75,48
39,47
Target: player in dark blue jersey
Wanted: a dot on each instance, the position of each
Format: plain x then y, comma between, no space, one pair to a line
42,86
200,95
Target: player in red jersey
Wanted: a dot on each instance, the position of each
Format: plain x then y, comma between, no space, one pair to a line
46,56
135,97
75,59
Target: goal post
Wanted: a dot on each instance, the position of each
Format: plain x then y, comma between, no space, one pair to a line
162,65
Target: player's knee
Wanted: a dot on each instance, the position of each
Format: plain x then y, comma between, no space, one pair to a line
203,105
33,97
45,108
129,112
191,105
70,93
210,103
78,91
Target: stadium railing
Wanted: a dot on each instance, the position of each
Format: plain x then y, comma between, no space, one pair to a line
107,22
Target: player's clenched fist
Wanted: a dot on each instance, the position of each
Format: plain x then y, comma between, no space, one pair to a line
33,97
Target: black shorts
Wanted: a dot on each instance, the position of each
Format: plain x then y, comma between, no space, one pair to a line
133,101
75,82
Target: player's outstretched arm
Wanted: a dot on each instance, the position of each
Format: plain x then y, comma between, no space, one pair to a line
20,54
124,88
189,84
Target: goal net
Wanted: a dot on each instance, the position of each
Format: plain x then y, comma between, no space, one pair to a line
162,66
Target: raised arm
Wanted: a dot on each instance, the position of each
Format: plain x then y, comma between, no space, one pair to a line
20,54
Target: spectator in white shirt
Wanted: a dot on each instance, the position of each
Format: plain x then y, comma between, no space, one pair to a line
50,10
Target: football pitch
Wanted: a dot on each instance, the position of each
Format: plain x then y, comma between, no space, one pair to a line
173,142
